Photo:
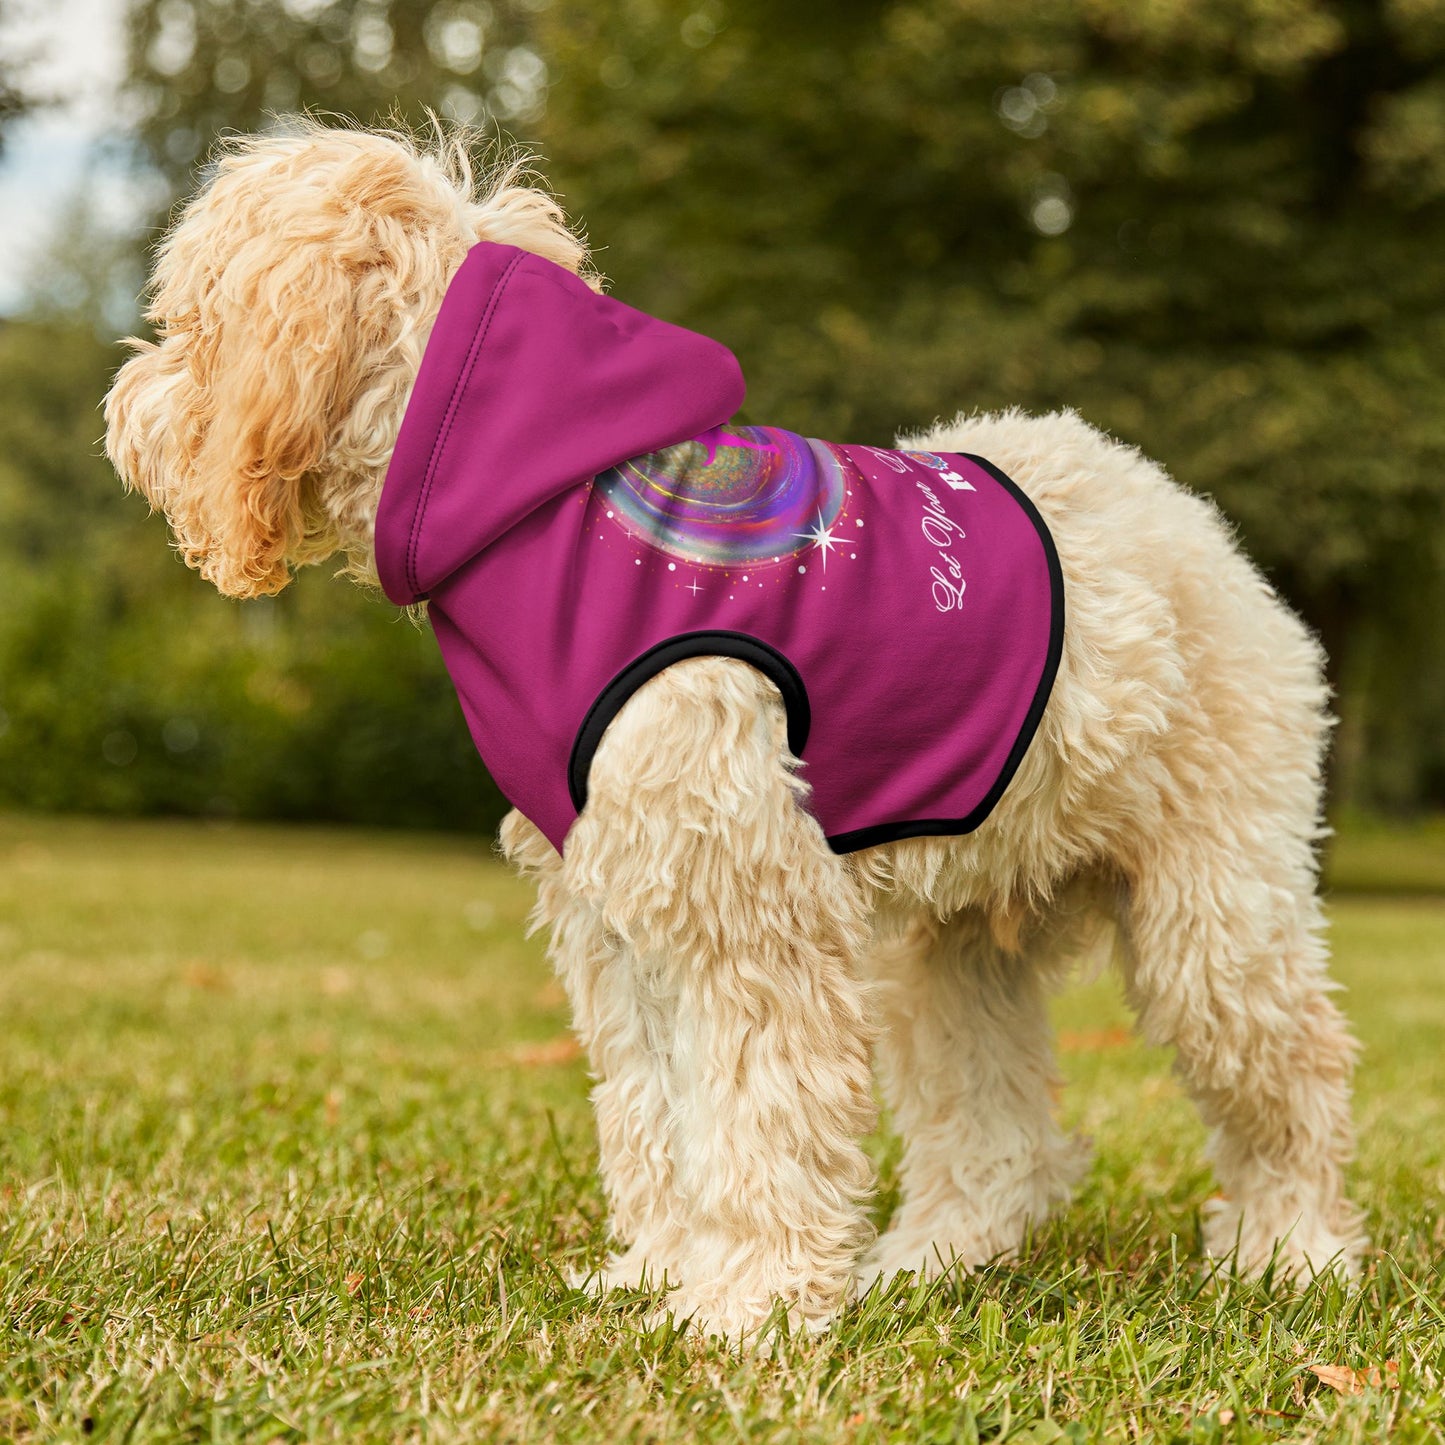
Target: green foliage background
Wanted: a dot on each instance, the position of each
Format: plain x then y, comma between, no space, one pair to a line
1216,228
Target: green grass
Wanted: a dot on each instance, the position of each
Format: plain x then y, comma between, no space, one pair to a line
1373,856
284,1155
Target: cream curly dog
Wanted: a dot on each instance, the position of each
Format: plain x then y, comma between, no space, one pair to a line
732,976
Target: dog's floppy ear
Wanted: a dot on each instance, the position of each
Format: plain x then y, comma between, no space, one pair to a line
291,279
222,421
278,353
292,301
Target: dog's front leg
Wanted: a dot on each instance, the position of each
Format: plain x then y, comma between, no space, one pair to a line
624,1024
741,929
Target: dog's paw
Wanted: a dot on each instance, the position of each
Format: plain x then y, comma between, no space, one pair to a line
632,1270
1298,1248
897,1254
753,1324
965,1228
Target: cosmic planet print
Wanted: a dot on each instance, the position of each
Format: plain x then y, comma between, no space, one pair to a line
731,496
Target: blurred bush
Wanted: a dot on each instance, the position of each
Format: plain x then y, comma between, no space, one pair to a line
127,686
107,710
1215,227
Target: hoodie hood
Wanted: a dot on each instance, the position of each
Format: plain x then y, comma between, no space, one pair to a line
531,384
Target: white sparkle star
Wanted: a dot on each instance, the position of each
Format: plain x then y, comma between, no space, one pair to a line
822,539
693,587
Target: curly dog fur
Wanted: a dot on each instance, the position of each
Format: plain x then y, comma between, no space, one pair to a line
731,978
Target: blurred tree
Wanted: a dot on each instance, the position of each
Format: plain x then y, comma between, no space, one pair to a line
1216,227
202,67
125,683
58,495
15,97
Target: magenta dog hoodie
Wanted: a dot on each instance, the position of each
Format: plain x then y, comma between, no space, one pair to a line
568,494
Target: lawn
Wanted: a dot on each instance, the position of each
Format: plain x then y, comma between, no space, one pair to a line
293,1146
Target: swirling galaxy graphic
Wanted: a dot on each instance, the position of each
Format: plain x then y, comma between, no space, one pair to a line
743,495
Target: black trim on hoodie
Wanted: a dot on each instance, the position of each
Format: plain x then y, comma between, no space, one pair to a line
741,645
950,827
774,666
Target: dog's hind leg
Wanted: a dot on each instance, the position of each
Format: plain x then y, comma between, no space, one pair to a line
966,1060
1224,949
1225,961
743,928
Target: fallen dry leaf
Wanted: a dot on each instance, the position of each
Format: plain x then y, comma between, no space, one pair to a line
335,982
203,975
1347,1381
551,995
1094,1042
560,1050
354,1283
